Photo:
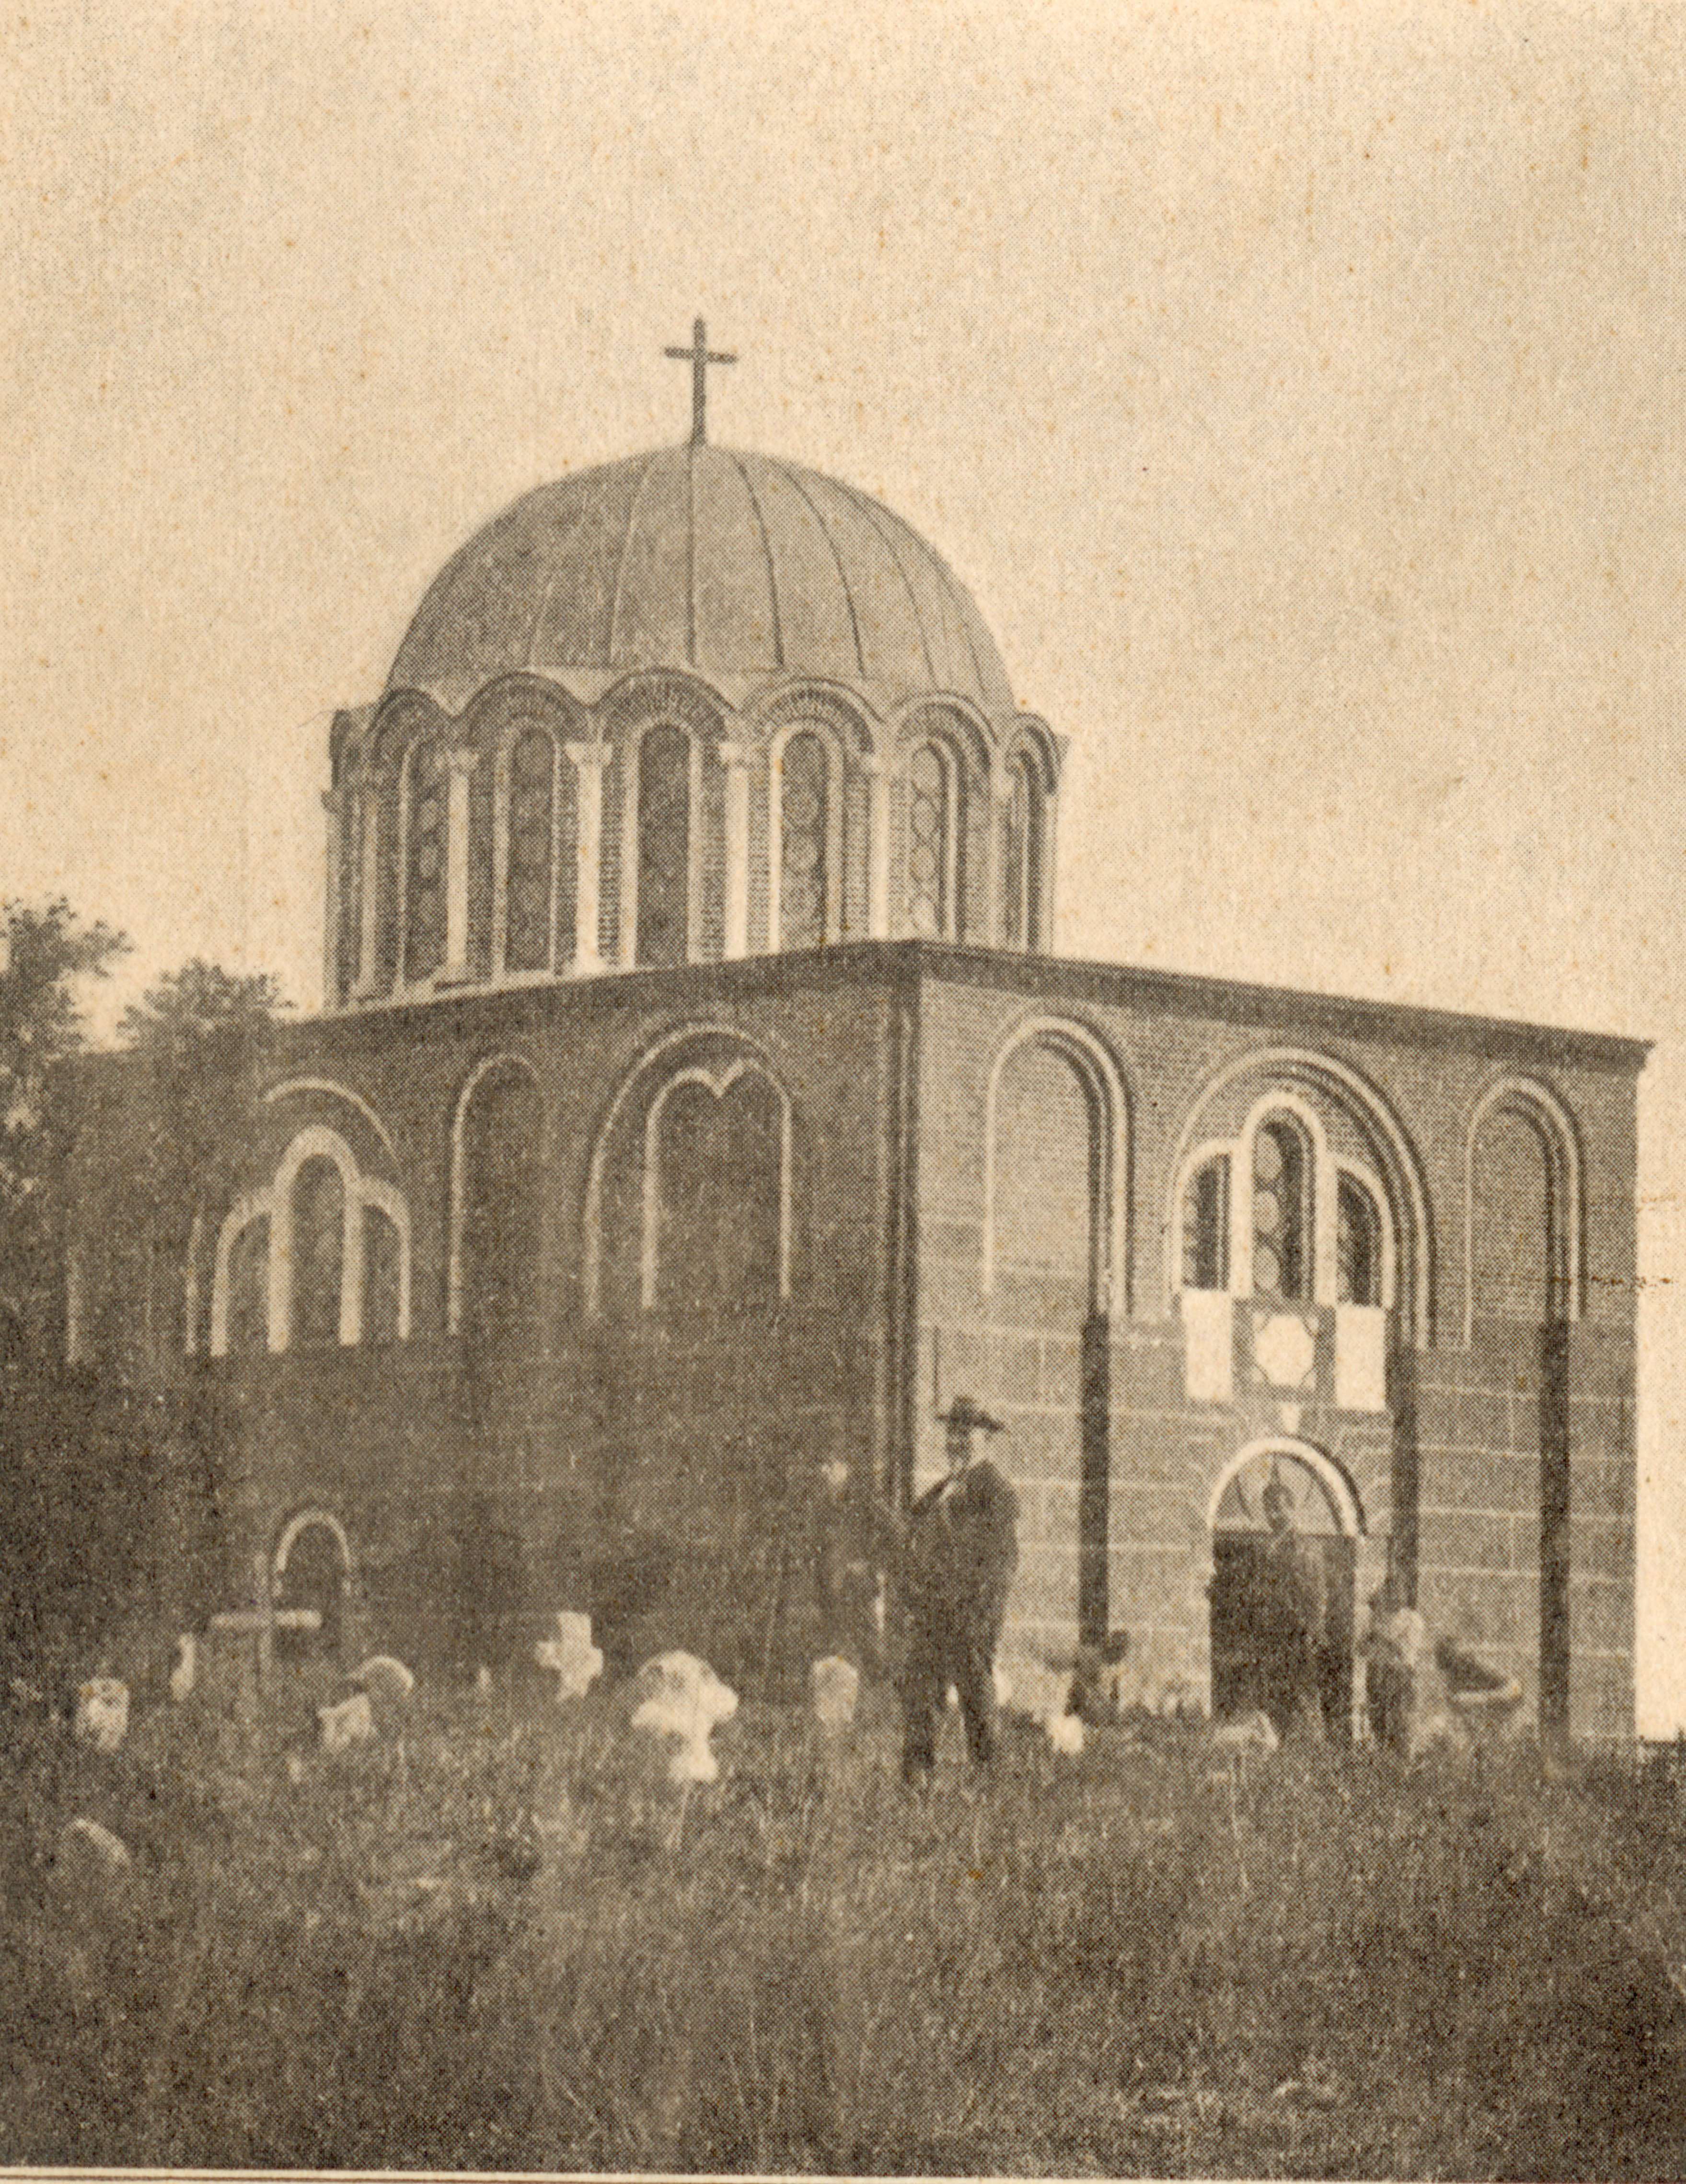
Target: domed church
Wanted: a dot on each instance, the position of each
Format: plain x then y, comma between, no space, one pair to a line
697,1107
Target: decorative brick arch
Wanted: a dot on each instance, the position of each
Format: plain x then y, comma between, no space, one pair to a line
1404,1196
274,1203
1343,1496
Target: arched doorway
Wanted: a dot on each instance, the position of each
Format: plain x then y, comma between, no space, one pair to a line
1284,1545
312,1572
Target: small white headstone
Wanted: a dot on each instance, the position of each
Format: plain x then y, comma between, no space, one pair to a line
102,1713
1065,1734
1038,1692
384,1676
348,1723
835,1688
86,1837
570,1656
184,1667
1248,1732
683,1698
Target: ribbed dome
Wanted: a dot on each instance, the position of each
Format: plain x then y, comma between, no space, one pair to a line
699,557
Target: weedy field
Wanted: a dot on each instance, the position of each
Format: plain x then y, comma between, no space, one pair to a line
495,1936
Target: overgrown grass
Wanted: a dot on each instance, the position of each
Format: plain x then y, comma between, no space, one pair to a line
496,1938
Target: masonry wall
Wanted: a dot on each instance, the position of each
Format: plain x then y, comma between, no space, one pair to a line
660,1465
1476,1454
665,1462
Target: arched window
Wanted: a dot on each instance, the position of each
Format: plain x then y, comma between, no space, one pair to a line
1358,1243
424,874
1206,1226
381,1275
1022,864
499,1201
318,1254
934,834
318,1257
532,823
248,1290
715,1180
664,782
805,849
1282,1211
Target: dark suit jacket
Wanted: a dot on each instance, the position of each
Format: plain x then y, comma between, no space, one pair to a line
961,1552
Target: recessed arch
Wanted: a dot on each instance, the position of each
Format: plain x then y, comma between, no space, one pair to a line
1031,736
290,1531
1098,1073
326,1588
966,728
1534,1102
649,1061
719,1084
506,1058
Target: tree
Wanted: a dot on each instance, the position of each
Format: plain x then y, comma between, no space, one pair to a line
198,1009
200,1034
43,954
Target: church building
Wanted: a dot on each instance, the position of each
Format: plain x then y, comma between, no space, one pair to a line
697,1104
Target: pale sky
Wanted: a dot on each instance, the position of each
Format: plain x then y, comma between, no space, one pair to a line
1297,387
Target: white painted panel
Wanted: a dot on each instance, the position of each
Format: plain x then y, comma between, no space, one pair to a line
1360,1357
1208,1345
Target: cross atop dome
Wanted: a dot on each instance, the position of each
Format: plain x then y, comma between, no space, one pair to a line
700,356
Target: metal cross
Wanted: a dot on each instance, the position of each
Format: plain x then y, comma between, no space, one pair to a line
700,356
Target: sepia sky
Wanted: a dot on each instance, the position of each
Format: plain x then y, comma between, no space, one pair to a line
1298,388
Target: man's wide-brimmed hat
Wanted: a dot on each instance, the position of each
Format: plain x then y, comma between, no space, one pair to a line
964,1413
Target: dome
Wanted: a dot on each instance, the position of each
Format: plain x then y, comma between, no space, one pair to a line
699,557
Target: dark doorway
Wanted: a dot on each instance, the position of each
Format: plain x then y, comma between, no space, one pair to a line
1283,1581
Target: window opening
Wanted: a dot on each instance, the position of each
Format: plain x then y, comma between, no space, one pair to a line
1281,1211
1357,1245
1206,1226
533,759
663,846
424,899
1023,876
318,1253
929,831
804,815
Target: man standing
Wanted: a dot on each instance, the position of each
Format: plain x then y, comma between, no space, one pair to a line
1290,1615
957,1561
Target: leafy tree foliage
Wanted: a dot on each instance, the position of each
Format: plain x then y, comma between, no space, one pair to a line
43,954
198,1008
199,1036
